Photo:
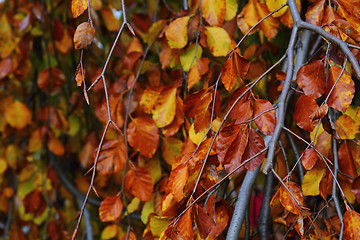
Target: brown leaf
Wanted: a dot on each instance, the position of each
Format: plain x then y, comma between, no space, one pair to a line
304,107
79,75
311,78
143,135
5,67
319,113
254,146
355,188
236,66
267,121
110,209
349,154
34,202
343,92
84,35
204,221
51,80
183,229
243,110
139,183
177,180
112,157
309,158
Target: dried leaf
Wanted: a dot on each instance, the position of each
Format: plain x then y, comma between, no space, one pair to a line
143,135
78,7
110,209
34,202
139,183
254,146
311,78
309,158
176,32
84,35
288,201
304,107
51,80
112,157
315,13
266,122
319,113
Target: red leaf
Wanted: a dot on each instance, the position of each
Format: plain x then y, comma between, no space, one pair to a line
242,111
355,188
139,183
267,121
319,113
143,135
110,208
304,107
311,78
348,154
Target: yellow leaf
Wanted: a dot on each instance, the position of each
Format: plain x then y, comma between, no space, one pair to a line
275,4
218,41
18,115
231,9
112,24
170,149
158,225
7,43
35,142
3,165
196,137
13,155
165,107
147,209
188,58
78,7
214,11
176,32
109,232
311,182
154,167
133,205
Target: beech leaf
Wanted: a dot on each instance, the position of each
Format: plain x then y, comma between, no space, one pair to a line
139,183
84,35
110,209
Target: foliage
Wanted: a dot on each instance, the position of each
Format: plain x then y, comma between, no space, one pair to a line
150,135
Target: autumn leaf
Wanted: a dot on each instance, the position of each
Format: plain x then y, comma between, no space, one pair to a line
315,13
304,107
78,7
112,157
17,115
213,11
143,135
183,229
34,202
343,92
355,188
176,32
139,183
311,78
110,209
165,107
320,112
242,110
274,5
204,221
218,41
231,9
84,35
178,120
349,157
149,98
311,182
177,180
265,120
236,66
351,225
309,158
288,201
254,146
51,80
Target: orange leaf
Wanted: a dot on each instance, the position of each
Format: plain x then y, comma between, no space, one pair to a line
79,75
351,225
311,78
267,121
110,209
177,180
304,107
165,107
309,158
143,135
17,115
343,92
84,35
139,183
78,7
5,67
213,11
236,66
315,13
55,146
204,221
242,110
176,32
149,98
183,229
349,154
112,157
221,221
288,201
270,25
